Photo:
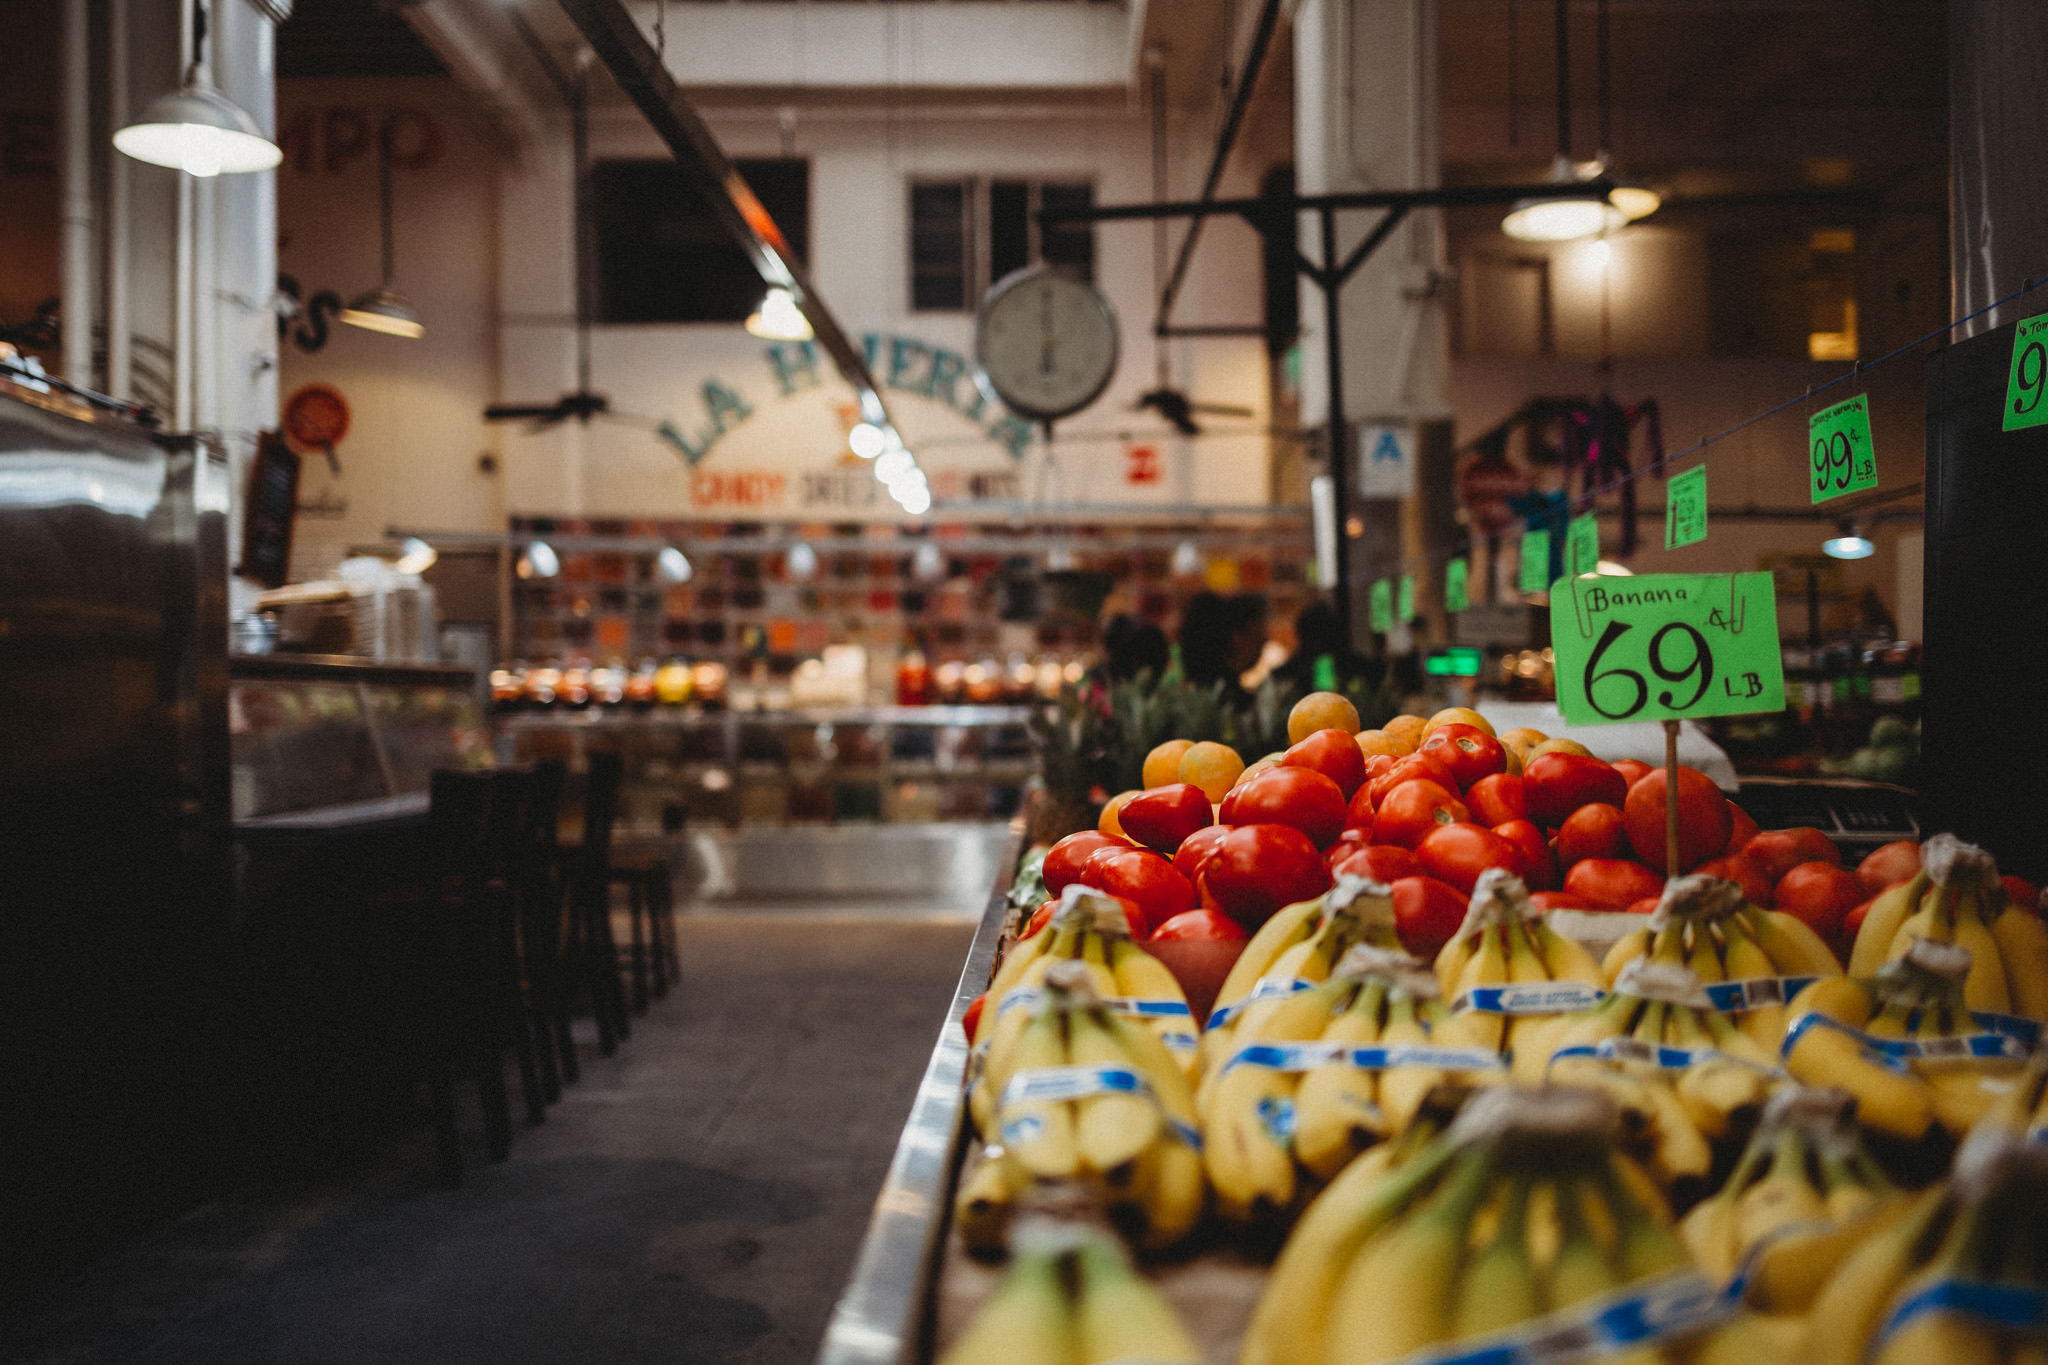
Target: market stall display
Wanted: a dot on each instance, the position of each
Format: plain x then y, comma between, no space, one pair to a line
1488,1121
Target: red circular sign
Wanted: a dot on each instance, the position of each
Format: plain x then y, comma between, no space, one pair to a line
1485,487
315,418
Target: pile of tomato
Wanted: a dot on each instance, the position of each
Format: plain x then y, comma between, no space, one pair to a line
1210,848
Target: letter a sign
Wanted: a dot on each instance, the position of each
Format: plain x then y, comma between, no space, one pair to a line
1386,460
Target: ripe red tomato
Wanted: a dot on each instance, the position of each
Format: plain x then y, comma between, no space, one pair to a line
1143,878
1334,754
1556,784
1407,770
1194,851
1457,853
1611,883
1496,799
1559,900
1358,814
1467,751
1778,851
1348,843
1524,834
1300,797
2022,893
1646,906
1632,770
1741,869
1259,868
1852,923
1595,831
1410,811
970,1018
1426,914
1161,817
1381,862
1703,819
1063,860
1745,829
1200,925
1820,893
1897,861
1040,917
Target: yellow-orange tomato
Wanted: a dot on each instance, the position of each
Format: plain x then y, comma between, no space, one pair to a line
1211,766
1372,743
1521,740
1514,762
1109,823
1321,711
1556,746
1407,730
1457,715
1162,765
1269,761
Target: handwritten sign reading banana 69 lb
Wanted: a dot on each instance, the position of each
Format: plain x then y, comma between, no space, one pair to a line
1666,647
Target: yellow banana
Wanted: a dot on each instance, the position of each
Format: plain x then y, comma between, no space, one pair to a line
1170,1194
985,1200
1785,1197
1795,948
1626,949
1028,1321
1892,907
1851,1306
1391,1300
1336,1108
1746,962
1288,926
1786,1275
2023,948
1119,1317
1985,987
1112,1129
1564,958
1038,1134
1497,1287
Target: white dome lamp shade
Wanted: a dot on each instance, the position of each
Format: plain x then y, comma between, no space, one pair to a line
1545,219
1850,543
195,128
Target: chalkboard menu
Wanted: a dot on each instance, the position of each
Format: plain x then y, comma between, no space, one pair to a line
267,517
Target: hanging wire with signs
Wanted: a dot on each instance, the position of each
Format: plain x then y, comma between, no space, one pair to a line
1587,502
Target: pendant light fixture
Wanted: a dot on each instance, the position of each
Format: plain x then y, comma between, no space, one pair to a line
1546,219
384,309
1850,543
779,318
195,128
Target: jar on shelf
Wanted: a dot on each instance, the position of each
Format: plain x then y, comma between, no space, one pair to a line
672,683
913,680
640,687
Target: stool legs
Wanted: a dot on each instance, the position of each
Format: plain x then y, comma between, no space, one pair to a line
636,917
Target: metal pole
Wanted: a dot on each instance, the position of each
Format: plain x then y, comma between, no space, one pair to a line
1332,282
75,312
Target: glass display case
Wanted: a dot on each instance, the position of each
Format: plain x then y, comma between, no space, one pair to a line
317,737
891,764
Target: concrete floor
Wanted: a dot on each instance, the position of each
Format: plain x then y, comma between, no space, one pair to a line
697,1198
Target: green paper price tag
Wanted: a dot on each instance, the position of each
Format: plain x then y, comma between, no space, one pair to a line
1844,460
1457,584
2023,405
1667,647
1405,608
1325,674
1685,508
1382,606
1535,571
1582,545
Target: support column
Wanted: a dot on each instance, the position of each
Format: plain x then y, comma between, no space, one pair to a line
1366,108
1998,205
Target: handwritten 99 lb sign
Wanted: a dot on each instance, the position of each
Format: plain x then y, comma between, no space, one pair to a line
1666,647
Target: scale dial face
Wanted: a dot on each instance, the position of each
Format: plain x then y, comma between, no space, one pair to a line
1047,342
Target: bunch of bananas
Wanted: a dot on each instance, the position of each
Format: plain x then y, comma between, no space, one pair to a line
1070,1297
1326,1073
1295,949
1905,1043
1088,928
1507,964
1957,899
1803,1195
1681,1072
1087,1094
1959,1278
1744,955
1522,1220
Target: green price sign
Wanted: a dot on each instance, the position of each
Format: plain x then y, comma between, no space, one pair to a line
1405,607
1382,606
1685,508
1582,545
2023,405
1844,460
1535,571
1666,647
1457,584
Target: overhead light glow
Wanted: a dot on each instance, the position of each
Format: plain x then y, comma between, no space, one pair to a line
803,560
1851,544
1187,560
386,311
928,563
894,464
917,501
1635,201
779,318
1541,219
415,556
673,565
1607,568
539,561
867,440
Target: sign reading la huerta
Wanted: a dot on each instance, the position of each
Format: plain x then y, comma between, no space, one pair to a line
897,362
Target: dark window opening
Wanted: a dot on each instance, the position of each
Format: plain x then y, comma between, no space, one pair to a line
966,234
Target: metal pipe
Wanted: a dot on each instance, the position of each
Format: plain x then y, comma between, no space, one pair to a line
1337,446
181,279
75,309
120,351
1256,210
